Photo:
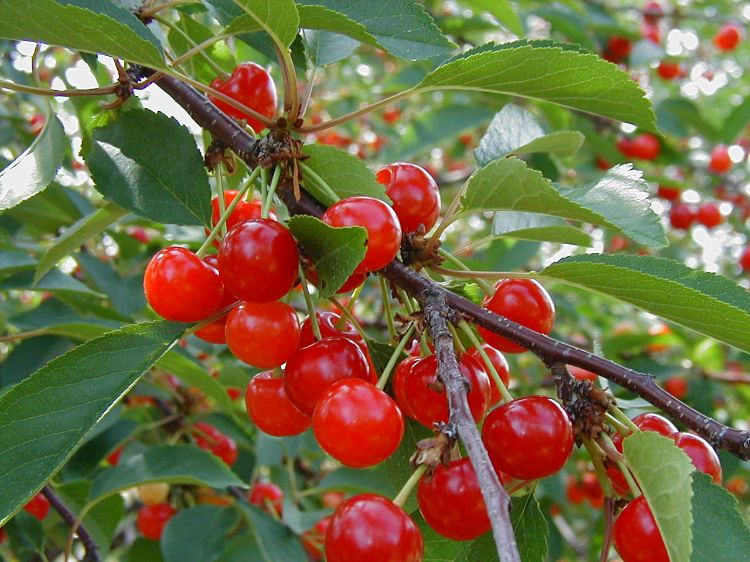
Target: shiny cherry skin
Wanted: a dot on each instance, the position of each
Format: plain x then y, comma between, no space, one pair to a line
415,195
372,528
312,369
381,223
709,215
702,455
313,540
669,193
645,146
636,536
648,422
398,383
682,216
152,519
528,438
180,286
264,335
38,506
426,398
744,260
619,48
500,363
243,211
215,332
524,301
271,410
720,161
451,501
582,374
252,86
668,70
357,424
211,439
258,260
265,494
728,37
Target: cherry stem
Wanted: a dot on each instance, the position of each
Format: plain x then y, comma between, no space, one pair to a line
345,312
210,61
395,356
266,206
601,472
623,419
331,195
617,424
622,465
92,550
388,310
486,287
34,90
220,197
151,12
409,485
482,275
309,304
197,49
507,397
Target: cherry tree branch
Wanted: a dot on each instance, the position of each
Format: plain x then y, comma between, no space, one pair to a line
92,550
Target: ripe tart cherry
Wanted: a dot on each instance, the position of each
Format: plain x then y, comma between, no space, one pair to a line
268,496
264,335
314,539
669,193
645,147
252,86
682,216
501,366
209,438
720,161
372,528
745,259
415,195
381,223
528,438
38,506
728,37
314,368
619,48
215,332
668,70
636,536
425,395
243,211
709,215
258,260
152,519
182,287
451,501
398,384
702,455
270,408
524,301
357,424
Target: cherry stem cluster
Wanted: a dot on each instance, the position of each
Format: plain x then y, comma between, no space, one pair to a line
92,554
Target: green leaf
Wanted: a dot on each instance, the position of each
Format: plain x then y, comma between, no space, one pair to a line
736,121
197,534
278,18
516,131
530,226
26,534
75,236
530,528
336,252
705,302
13,262
615,201
195,375
503,10
55,281
547,71
33,170
402,27
126,295
397,467
84,25
174,464
324,19
720,534
344,173
326,48
149,164
663,471
276,543
437,548
44,418
357,481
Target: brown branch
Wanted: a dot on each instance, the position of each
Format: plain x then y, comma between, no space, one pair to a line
548,349
496,499
92,550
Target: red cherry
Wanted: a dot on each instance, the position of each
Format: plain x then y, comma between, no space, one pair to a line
636,536
332,500
415,195
702,455
215,332
264,493
745,259
651,32
312,369
582,374
36,123
354,281
720,160
574,491
728,37
211,439
592,489
618,481
264,335
114,457
451,501
646,147
677,387
669,193
180,286
652,12
682,216
153,518
523,301
38,506
425,395
528,438
381,223
357,424
258,260
391,115
314,539
654,422
398,383
668,70
372,528
270,408
601,163
619,48
243,211
234,392
501,366
252,86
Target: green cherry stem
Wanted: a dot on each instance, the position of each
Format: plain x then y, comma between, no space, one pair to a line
504,392
220,197
320,183
486,287
623,419
388,309
410,484
176,29
345,312
310,305
601,473
621,464
395,356
266,206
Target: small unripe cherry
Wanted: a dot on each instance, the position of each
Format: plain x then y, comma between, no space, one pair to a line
151,494
152,519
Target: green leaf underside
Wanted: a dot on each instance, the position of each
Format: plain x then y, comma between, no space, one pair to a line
276,17
542,228
85,25
33,170
149,164
174,464
13,262
336,252
547,71
324,47
45,418
323,19
530,528
195,375
197,534
509,185
705,302
503,10
663,472
55,281
275,541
